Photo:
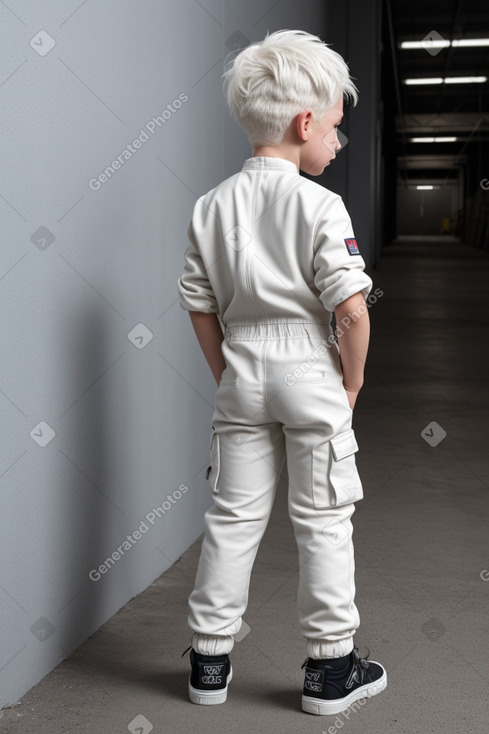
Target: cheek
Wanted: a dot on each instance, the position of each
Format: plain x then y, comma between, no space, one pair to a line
329,142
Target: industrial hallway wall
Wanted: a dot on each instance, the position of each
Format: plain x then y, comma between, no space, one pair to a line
113,123
355,28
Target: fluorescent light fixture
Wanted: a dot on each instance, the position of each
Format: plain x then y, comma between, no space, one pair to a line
471,42
447,80
422,44
433,140
434,80
424,188
460,42
465,79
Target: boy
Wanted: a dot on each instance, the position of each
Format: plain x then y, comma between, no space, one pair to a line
274,255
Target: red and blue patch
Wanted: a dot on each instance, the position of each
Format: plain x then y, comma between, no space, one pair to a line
352,247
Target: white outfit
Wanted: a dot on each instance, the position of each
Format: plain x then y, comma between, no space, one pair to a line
273,254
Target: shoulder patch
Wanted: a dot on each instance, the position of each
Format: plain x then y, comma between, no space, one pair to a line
352,247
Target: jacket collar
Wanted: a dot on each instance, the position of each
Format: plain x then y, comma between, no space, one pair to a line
261,162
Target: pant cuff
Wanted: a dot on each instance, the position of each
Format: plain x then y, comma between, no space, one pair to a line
320,649
212,644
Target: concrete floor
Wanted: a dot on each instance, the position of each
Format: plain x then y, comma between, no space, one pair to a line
421,539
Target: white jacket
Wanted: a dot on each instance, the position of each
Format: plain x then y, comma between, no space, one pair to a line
268,243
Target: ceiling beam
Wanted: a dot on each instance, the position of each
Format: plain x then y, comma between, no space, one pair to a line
430,162
445,122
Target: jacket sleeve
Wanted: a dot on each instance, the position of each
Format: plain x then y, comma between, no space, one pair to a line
195,291
338,274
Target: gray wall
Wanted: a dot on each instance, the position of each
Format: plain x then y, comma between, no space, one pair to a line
105,396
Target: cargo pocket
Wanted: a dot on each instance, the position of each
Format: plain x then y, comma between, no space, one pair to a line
335,478
213,471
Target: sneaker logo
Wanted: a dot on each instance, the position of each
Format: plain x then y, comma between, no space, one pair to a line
314,676
213,669
311,686
313,680
211,679
353,678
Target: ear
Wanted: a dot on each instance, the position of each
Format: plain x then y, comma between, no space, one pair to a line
302,124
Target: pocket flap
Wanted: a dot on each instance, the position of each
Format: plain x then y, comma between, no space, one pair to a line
344,444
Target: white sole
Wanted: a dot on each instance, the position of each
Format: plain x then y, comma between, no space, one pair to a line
328,708
210,698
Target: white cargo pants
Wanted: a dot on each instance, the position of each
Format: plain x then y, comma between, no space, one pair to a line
280,397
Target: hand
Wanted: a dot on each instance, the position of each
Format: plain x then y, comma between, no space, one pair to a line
352,396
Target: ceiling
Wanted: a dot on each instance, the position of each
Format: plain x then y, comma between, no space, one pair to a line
460,110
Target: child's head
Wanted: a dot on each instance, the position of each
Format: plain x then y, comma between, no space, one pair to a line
271,81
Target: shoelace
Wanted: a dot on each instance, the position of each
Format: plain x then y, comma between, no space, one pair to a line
360,664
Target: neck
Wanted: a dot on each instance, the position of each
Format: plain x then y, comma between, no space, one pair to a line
277,151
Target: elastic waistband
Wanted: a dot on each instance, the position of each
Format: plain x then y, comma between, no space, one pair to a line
280,329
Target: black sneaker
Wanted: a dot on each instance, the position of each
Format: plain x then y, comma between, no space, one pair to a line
331,685
208,681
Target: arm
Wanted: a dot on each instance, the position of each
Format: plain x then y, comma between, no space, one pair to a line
353,331
209,335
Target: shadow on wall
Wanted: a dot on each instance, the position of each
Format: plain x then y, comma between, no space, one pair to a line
89,493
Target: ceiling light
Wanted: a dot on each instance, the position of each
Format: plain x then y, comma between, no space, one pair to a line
424,188
471,42
447,80
435,80
433,140
441,43
465,79
422,44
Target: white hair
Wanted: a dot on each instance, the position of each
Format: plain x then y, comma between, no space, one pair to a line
271,81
